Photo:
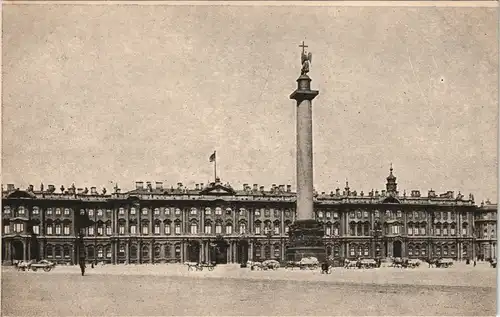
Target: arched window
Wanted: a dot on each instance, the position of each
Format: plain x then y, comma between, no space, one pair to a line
267,252
336,229
66,252
58,251
145,251
133,251
277,251
366,229
417,250
177,251
100,252
410,229
328,229
108,228
121,250
157,251
108,252
445,250
167,251
360,229
177,227
276,227
452,229
229,228
243,227
208,227
352,249
287,226
352,228
464,229
257,227
194,228
167,224
50,251
410,249
145,227
157,229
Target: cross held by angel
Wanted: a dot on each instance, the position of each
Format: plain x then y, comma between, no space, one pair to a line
306,59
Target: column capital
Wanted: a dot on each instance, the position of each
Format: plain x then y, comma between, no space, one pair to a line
304,91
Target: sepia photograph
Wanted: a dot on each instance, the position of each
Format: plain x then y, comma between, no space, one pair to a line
244,158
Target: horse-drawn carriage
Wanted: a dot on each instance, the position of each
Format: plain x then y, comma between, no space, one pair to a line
45,265
361,263
405,263
192,266
265,265
310,263
440,262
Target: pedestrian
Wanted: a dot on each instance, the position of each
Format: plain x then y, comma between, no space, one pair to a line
474,262
82,266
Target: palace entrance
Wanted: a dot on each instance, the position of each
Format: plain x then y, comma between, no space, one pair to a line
193,251
17,248
397,249
242,251
218,251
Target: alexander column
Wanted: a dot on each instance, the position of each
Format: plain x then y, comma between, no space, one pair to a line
306,234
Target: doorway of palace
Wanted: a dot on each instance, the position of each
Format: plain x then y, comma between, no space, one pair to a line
34,249
17,250
397,249
219,252
242,251
193,251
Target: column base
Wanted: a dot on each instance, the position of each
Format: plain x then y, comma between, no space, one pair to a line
306,240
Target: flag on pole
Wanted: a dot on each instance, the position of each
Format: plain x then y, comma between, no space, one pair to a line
212,157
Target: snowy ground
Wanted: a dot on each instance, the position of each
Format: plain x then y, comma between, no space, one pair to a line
159,290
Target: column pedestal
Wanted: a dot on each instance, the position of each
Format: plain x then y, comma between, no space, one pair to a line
306,240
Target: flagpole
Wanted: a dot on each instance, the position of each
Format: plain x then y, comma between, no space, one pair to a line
215,166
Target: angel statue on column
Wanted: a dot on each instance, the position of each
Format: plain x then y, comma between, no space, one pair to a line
306,60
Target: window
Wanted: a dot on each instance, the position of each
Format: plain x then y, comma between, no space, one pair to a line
6,229
36,229
257,229
351,214
177,228
177,211
410,230
58,251
229,229
218,228
335,215
399,214
6,210
36,211
275,212
157,252
277,251
336,231
121,228
358,214
366,250
58,211
194,228
257,213
99,212
49,211
108,230
267,214
167,228
193,211
50,251
58,229
287,229
49,229
228,211
266,229
157,228
452,230
177,251
121,211
395,229
132,211
167,211
352,251
66,211
145,228
208,228
66,230
100,230
287,213
365,214
320,214
91,212
218,211
464,230
445,231
157,211
108,252
243,228
276,229
91,231
133,229
422,230
144,211
445,215
19,227
208,211
415,214
438,231
100,253
242,212
328,214
328,231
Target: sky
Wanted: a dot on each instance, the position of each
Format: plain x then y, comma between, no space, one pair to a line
103,94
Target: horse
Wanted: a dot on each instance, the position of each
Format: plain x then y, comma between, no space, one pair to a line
350,264
24,265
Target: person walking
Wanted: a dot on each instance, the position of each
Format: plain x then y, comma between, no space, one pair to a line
82,266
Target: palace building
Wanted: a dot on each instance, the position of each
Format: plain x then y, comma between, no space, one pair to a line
486,230
216,222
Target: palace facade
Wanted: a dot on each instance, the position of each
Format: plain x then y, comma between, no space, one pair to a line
215,222
486,230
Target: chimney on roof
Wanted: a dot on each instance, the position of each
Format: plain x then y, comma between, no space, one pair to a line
376,193
139,185
51,189
159,185
383,192
288,188
255,187
337,191
197,186
179,185
202,186
245,187
282,188
11,187
93,190
149,186
261,188
80,191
